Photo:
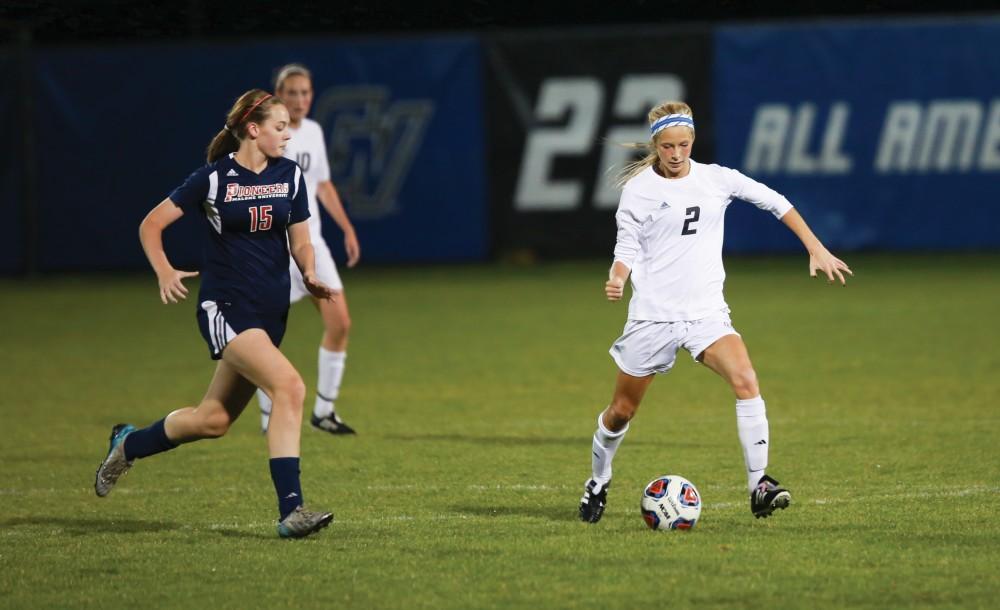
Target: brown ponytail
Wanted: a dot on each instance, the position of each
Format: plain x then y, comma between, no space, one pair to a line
252,107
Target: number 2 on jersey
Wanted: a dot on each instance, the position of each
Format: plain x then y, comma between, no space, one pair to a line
260,218
691,216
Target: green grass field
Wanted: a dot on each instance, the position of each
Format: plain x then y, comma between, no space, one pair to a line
475,391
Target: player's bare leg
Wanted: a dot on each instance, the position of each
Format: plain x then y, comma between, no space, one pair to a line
336,322
612,424
729,358
332,360
253,355
629,391
227,395
263,364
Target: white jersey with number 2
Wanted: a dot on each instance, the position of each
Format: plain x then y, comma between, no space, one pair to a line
670,236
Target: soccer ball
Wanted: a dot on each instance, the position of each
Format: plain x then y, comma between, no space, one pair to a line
671,502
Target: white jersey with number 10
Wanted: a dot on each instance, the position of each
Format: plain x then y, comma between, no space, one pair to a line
308,149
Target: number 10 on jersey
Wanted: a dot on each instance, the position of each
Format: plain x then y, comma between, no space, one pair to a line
260,218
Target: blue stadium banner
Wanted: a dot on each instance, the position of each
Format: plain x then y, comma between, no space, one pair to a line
886,136
120,126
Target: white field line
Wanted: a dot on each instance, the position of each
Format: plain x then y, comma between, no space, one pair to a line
911,495
41,491
936,492
927,492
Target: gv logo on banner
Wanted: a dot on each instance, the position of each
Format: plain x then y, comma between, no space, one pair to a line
372,144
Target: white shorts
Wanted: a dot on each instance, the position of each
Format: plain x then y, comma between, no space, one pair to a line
648,347
326,271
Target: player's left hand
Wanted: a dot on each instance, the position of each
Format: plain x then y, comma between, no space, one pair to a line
317,288
830,265
352,247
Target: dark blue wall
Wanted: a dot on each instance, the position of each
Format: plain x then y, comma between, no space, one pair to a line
884,135
119,127
11,168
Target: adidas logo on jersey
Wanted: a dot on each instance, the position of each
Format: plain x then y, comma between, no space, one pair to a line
664,205
232,172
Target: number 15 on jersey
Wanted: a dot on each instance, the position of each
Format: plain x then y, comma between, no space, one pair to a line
260,218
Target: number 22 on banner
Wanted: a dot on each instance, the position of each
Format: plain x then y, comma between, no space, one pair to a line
582,99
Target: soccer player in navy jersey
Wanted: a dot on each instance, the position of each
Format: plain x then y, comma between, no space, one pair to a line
254,206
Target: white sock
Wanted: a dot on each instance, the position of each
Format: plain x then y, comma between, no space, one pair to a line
265,408
605,445
331,371
751,423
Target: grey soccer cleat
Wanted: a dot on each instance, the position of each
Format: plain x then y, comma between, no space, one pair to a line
114,465
301,522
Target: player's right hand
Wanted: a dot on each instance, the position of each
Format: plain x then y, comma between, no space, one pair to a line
171,286
614,288
317,288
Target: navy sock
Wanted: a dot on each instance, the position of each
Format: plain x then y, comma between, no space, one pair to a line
148,441
285,474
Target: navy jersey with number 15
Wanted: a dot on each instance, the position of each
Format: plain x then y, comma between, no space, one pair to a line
246,215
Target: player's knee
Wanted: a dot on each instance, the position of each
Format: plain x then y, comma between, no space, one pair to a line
214,424
290,390
341,328
744,382
620,412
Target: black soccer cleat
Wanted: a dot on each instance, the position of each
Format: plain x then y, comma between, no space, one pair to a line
768,497
331,424
593,502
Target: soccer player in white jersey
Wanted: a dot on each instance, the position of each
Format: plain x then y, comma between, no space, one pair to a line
294,86
670,225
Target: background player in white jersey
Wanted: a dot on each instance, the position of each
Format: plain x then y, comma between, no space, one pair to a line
307,147
670,227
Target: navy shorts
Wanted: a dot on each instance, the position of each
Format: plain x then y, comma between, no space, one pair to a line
220,322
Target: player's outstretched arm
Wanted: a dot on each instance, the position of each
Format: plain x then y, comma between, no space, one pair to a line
300,246
328,196
151,236
820,259
615,286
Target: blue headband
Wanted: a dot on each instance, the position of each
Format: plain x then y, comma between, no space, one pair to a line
671,120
